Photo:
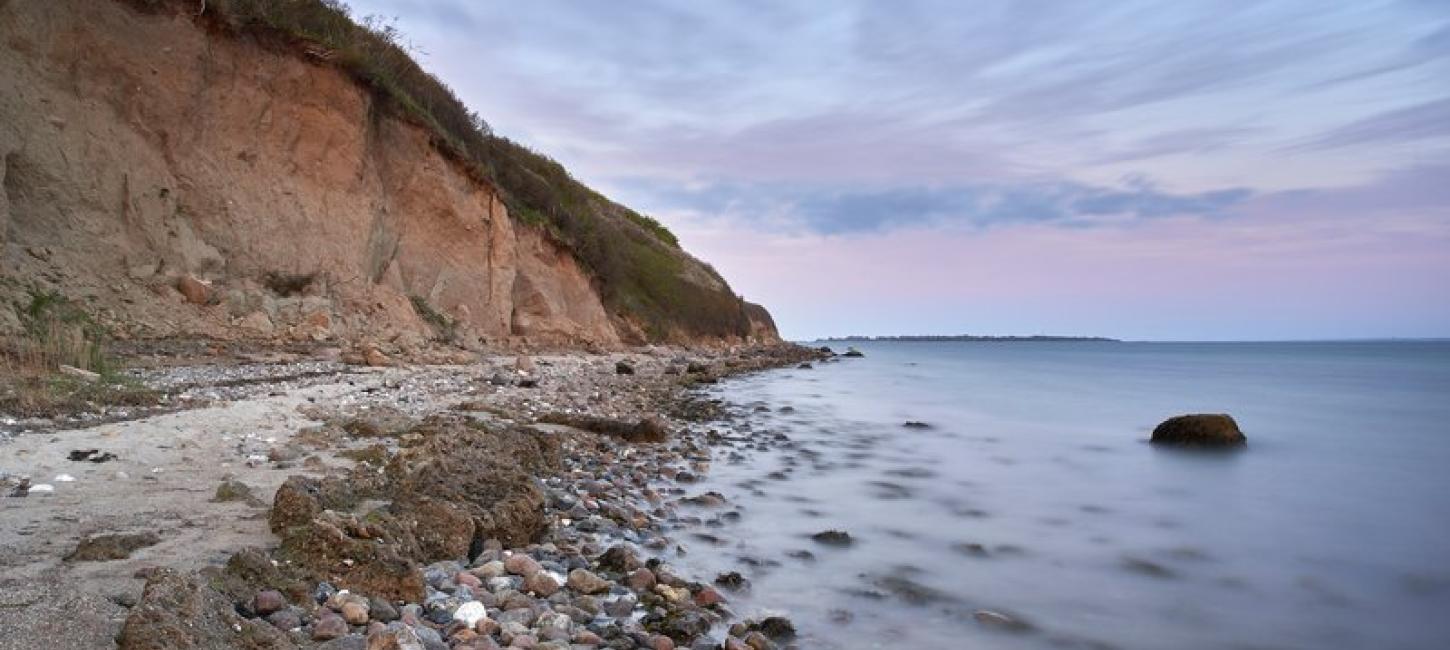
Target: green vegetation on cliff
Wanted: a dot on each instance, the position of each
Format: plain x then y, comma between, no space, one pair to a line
636,261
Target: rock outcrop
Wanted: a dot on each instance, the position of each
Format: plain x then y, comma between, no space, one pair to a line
450,489
187,180
1199,430
180,611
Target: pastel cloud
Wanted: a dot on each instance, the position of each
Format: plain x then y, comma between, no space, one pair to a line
1299,144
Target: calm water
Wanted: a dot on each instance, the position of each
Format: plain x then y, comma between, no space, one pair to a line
1331,531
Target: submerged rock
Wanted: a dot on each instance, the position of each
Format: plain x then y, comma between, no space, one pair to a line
833,538
1199,430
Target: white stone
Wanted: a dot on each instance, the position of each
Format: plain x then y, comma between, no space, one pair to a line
470,613
42,488
64,478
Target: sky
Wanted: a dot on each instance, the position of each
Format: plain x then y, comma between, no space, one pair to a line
1185,170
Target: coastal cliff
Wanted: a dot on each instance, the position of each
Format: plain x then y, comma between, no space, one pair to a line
178,174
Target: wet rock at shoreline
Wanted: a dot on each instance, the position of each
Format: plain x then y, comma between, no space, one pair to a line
1199,430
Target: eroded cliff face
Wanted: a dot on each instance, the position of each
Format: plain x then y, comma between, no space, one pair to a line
138,152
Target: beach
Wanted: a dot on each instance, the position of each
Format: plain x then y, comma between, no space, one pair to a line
173,538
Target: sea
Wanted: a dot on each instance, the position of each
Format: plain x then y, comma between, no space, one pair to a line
1031,511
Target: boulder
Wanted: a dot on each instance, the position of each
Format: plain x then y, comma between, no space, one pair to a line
1199,430
623,368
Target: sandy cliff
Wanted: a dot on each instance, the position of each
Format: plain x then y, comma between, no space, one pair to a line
142,151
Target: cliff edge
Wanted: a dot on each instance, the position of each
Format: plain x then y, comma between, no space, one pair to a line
219,175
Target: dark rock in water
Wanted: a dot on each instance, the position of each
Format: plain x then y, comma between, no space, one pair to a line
824,349
805,366
680,625
182,612
1147,568
111,546
623,368
833,538
732,580
776,627
914,424
1199,430
853,352
910,591
1001,621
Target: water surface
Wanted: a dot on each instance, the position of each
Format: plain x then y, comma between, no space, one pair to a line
1034,494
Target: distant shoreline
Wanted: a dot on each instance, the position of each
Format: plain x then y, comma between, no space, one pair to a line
971,338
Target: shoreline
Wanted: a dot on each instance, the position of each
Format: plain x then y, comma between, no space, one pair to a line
437,478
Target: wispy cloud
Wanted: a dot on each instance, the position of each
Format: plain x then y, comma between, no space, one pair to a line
838,210
1304,139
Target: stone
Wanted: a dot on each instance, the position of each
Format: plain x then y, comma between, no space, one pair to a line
267,601
400,637
1000,621
732,580
833,538
285,620
641,580
853,352
707,596
382,610
623,368
585,582
470,613
465,578
1199,430
355,613
520,564
775,627
541,584
619,559
329,626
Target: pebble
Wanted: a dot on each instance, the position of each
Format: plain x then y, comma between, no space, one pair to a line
470,613
267,601
586,582
329,626
541,584
355,613
520,564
